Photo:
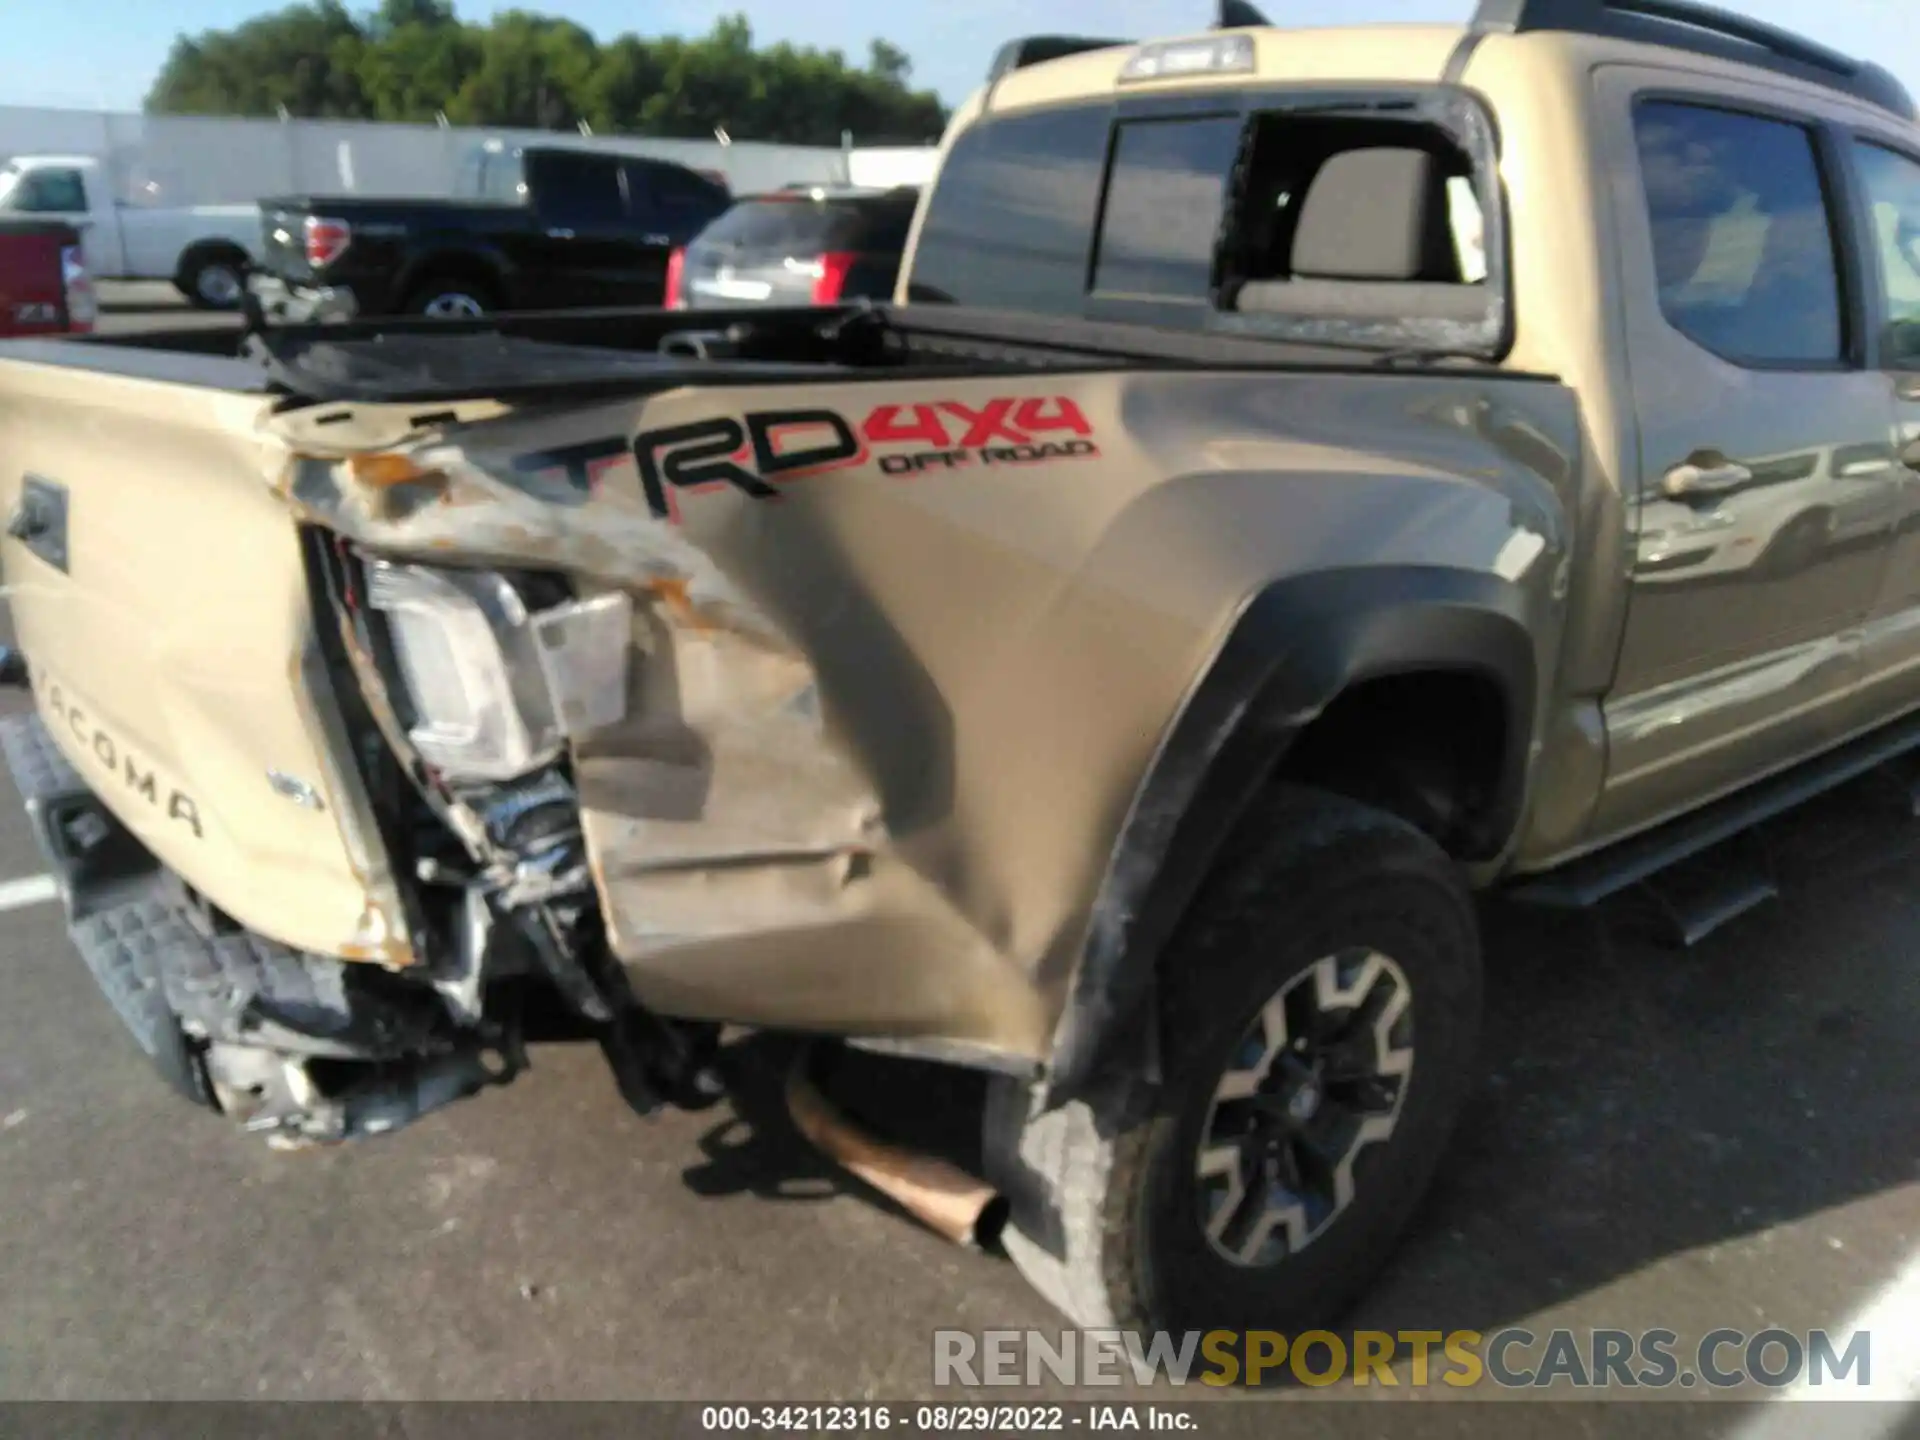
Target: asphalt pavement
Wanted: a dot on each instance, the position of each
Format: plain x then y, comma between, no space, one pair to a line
1727,1136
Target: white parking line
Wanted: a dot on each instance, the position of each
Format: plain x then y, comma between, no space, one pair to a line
1892,1318
34,890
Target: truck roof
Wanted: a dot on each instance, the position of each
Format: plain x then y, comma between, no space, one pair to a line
1565,35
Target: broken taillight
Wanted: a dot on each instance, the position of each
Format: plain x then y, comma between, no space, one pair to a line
676,272
831,278
326,240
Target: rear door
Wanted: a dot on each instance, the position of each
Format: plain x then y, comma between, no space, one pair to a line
667,207
582,252
1885,164
1767,477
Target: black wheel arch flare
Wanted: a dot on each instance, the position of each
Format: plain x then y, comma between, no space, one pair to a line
1298,644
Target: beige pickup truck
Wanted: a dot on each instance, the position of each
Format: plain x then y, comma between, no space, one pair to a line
1116,665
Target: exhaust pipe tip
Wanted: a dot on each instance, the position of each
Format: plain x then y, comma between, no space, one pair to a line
940,1195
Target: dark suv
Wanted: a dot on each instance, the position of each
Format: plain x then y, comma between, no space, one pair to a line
800,246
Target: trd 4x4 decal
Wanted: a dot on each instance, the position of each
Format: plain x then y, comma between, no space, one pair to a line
763,449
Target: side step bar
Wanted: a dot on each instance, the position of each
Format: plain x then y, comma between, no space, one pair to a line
1583,883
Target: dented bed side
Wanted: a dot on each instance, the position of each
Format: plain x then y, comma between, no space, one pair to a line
903,649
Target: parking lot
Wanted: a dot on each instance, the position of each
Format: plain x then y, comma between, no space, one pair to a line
1724,1137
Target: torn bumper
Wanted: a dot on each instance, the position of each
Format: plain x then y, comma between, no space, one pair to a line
303,1048
301,304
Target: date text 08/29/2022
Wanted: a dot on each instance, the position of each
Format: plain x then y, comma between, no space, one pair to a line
943,1419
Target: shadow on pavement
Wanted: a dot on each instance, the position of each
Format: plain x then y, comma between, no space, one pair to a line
1642,1101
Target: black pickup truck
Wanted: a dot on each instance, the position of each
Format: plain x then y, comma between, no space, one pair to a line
532,229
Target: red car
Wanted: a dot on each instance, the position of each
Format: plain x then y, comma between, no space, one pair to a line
44,288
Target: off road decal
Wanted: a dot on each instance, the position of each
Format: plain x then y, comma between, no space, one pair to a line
948,434
123,764
764,449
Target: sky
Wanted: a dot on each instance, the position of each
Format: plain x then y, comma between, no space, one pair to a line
103,54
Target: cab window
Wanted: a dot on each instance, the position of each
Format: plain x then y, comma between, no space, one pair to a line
1743,240
43,192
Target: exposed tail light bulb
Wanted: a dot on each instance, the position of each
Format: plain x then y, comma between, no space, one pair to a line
327,240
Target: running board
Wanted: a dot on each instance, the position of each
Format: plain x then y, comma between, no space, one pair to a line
1585,882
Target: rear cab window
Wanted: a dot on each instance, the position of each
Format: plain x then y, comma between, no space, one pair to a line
1166,199
1367,218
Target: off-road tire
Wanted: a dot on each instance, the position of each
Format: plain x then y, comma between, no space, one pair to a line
1106,1217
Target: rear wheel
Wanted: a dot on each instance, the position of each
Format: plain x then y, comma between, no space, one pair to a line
450,298
213,277
1320,1011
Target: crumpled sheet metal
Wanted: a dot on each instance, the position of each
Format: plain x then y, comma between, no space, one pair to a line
721,806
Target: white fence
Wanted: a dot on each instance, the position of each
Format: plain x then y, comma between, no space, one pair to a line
169,160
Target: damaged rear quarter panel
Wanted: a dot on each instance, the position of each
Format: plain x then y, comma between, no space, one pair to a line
912,643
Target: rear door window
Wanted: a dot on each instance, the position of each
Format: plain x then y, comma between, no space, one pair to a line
579,189
1165,201
669,193
1742,235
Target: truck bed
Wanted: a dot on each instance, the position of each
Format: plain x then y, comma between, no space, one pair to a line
583,353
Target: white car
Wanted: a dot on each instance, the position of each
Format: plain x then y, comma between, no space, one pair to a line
205,250
1777,515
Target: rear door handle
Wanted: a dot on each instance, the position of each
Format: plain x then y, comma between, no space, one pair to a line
1704,474
559,232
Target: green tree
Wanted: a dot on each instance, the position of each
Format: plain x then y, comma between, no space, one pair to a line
408,59
417,57
306,58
